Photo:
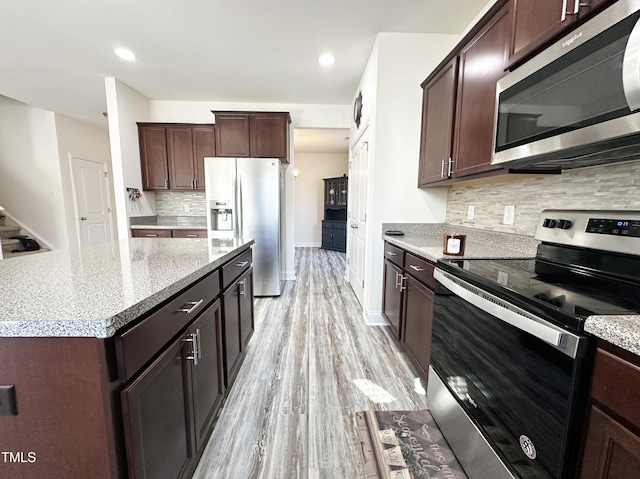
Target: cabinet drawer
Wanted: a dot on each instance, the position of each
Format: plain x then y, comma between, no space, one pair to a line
138,345
235,268
151,233
340,226
394,254
189,233
420,269
616,385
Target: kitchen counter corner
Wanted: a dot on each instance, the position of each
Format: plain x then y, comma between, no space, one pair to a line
93,291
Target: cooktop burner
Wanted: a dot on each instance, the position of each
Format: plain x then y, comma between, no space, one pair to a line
568,296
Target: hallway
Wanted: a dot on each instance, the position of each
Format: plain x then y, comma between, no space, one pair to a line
312,363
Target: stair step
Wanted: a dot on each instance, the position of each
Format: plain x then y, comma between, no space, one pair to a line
23,253
9,231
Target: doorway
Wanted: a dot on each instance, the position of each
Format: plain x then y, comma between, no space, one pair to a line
357,214
92,201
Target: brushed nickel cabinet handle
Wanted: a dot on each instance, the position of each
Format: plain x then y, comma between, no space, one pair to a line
391,253
243,291
192,236
194,348
442,169
416,268
194,304
397,279
198,343
241,265
563,15
151,235
402,285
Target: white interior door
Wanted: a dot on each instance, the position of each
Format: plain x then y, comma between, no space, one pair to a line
93,204
358,173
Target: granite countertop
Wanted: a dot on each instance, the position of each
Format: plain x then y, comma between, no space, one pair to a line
169,227
622,331
431,247
93,291
169,223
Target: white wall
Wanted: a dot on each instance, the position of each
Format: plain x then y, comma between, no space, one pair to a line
31,189
84,140
397,66
302,116
309,193
125,107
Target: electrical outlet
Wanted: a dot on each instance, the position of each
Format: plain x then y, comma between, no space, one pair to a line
8,401
471,211
509,214
186,207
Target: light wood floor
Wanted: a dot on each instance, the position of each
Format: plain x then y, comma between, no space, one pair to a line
311,364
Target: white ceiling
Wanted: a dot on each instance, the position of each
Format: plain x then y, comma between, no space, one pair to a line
321,140
55,54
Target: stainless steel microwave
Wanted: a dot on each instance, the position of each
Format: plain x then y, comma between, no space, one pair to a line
577,103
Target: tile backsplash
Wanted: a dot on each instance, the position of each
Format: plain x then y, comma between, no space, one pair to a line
603,187
172,203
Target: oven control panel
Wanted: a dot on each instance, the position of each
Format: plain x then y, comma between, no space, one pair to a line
616,227
616,231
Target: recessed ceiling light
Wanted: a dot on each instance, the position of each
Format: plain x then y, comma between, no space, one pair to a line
125,54
326,59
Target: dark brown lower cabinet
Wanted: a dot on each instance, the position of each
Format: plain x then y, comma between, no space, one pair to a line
155,409
392,297
169,409
417,324
407,303
246,309
237,326
207,375
612,451
612,444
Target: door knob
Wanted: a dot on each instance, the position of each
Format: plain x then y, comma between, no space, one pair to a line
82,218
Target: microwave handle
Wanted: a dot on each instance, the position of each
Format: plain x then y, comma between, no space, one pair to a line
631,69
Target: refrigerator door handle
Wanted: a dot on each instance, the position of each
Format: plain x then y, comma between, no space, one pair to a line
239,207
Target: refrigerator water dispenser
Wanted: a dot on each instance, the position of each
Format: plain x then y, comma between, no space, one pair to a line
221,215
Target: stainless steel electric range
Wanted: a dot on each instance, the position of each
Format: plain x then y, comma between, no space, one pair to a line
510,361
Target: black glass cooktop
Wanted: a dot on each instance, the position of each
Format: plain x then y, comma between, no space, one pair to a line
563,294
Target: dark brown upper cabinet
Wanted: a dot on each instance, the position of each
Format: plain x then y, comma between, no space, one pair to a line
172,155
252,134
536,23
153,157
438,104
481,64
458,110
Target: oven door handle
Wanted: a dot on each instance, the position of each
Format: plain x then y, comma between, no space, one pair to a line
564,341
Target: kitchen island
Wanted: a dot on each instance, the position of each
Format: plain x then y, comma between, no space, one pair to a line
99,344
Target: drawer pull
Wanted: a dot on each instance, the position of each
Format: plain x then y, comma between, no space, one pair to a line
398,276
194,304
151,236
416,268
192,236
243,291
391,253
242,265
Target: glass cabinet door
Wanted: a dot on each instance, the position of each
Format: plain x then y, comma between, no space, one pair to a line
342,192
330,192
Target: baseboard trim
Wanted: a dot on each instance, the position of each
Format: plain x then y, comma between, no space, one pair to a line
375,319
307,245
288,276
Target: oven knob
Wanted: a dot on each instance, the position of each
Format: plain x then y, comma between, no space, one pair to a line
564,224
549,223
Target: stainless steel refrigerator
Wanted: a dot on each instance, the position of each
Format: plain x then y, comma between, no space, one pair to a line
244,197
